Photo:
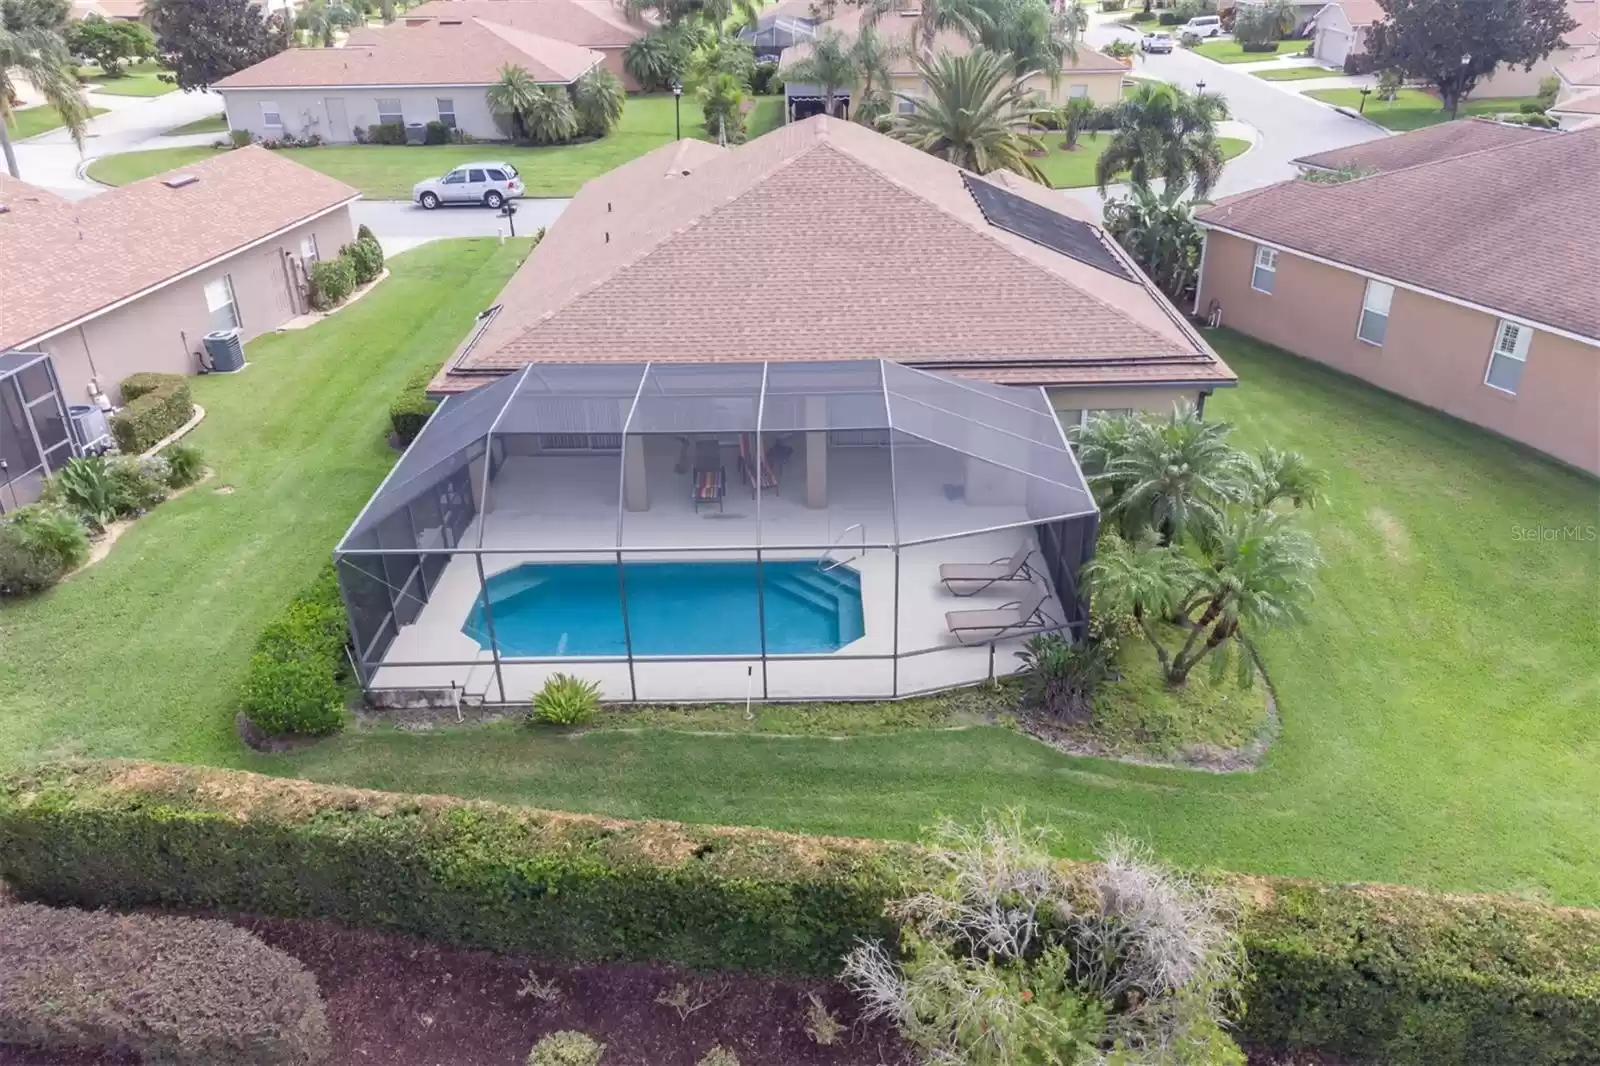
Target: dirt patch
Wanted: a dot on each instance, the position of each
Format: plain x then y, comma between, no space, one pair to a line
1396,540
257,739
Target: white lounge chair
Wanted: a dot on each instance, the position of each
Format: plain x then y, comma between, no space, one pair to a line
1026,615
969,579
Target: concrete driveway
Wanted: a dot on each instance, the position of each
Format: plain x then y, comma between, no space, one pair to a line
400,225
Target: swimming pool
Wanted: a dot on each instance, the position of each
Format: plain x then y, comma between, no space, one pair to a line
684,608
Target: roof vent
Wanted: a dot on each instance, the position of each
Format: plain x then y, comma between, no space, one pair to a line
178,181
449,22
5,209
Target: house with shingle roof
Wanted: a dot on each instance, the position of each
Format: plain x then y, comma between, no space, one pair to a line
694,253
1460,270
132,280
412,72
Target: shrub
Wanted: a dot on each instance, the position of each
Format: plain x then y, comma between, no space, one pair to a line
240,138
1061,677
1259,46
1171,18
565,700
566,1048
718,1056
1532,107
436,132
185,465
1538,121
332,282
175,990
762,77
137,484
293,684
366,259
86,488
154,407
386,133
412,408
39,545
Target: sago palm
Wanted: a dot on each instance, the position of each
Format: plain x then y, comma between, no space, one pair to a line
599,99
974,114
1163,132
511,97
827,65
41,57
654,60
550,117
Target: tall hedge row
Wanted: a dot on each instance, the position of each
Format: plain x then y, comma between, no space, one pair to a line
1385,975
155,405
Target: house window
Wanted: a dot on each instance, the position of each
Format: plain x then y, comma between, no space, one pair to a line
308,248
1509,357
1374,323
1265,273
1069,416
270,116
221,304
389,113
447,112
906,107
1078,90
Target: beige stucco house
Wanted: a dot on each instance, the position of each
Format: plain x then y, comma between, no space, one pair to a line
133,279
597,24
1460,271
900,256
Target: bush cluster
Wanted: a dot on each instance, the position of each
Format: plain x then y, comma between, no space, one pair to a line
154,405
412,408
333,280
565,700
294,684
39,545
566,1048
174,990
381,133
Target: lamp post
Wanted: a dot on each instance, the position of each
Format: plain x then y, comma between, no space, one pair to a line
677,110
1366,91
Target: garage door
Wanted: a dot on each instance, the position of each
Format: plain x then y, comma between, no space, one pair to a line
1332,46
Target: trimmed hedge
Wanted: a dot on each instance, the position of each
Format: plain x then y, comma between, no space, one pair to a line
154,405
294,683
332,281
1389,975
412,408
175,990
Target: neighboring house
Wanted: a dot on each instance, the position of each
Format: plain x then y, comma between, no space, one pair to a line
597,24
694,253
1460,277
433,70
1341,29
1091,74
1304,12
133,279
1578,112
1578,101
124,10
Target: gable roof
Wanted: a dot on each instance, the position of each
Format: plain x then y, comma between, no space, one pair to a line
1514,228
469,52
590,23
1586,13
80,258
825,240
1583,104
1359,12
1584,69
1444,141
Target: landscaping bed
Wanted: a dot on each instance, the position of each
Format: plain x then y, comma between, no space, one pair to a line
1075,169
1230,51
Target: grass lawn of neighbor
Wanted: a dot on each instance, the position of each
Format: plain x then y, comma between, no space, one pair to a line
213,124
136,79
1231,51
1075,169
1413,109
388,172
1437,707
1296,74
31,121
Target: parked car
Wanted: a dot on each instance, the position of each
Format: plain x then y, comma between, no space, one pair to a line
488,183
1156,42
1203,26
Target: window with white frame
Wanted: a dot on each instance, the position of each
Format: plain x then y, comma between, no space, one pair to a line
447,112
389,112
271,117
1078,90
308,248
1509,357
1265,273
220,303
1374,325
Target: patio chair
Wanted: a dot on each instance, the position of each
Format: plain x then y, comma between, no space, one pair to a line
1017,618
747,467
709,481
969,579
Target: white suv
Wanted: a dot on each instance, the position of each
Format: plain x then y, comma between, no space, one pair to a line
489,183
1203,26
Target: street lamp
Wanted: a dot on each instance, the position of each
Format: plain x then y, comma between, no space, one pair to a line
1366,91
677,110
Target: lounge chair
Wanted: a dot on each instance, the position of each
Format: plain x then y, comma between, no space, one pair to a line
708,482
747,466
1026,615
969,579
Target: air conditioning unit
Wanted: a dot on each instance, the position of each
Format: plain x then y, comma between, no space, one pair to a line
224,351
90,433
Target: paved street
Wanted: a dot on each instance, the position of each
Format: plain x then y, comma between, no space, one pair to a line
401,225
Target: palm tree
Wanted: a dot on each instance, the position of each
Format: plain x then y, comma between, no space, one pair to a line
1173,474
872,55
1142,579
599,99
1039,37
511,98
1159,231
974,114
320,19
550,117
827,65
1075,116
42,57
652,59
1164,132
720,53
1283,475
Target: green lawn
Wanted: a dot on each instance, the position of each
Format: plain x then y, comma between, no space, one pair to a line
1437,710
1231,51
32,121
138,79
1413,109
1296,74
388,173
214,124
1075,169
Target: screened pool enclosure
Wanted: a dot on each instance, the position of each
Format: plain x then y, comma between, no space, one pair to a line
680,532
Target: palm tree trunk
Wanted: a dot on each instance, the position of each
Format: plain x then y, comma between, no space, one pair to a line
1219,636
1150,635
9,152
1180,671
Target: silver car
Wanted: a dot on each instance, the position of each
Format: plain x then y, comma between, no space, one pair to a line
489,183
1156,42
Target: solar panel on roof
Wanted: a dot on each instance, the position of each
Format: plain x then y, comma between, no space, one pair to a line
1057,232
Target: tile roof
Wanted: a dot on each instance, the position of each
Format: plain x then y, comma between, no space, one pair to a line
1360,12
1444,141
1586,13
78,258
591,23
1584,69
822,240
1583,104
1515,228
431,53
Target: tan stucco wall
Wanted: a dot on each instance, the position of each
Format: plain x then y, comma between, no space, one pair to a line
1104,88
1435,352
305,111
162,330
1159,399
1514,81
613,63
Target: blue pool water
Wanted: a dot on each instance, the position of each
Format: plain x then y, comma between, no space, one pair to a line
706,608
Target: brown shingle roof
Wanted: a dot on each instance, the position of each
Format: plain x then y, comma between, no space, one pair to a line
1584,69
1514,228
1360,12
1444,141
823,240
432,53
591,23
79,258
1585,104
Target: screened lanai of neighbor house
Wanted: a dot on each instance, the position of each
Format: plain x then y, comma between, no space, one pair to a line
684,532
